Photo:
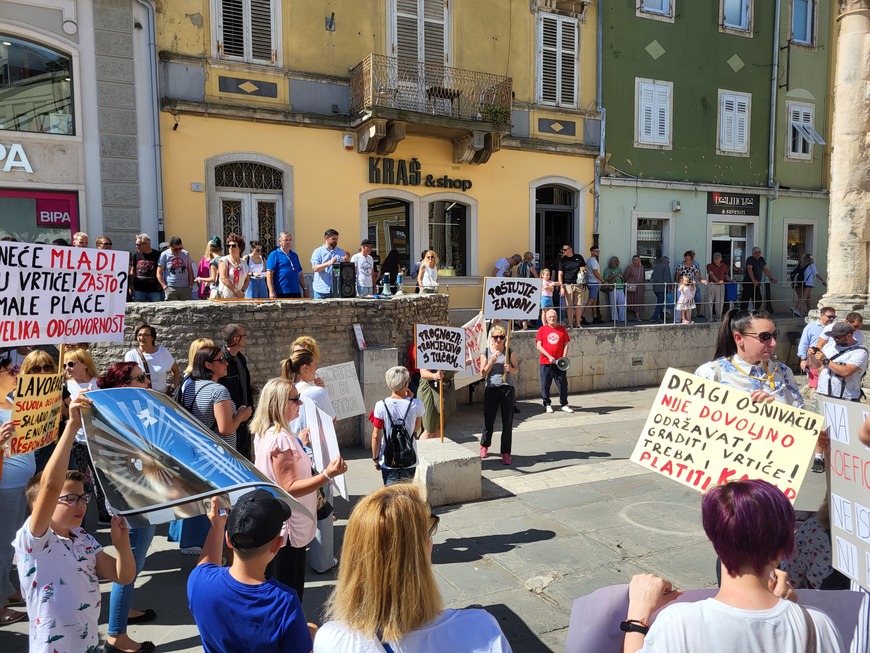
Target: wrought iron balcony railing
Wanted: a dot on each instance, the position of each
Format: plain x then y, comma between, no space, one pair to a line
408,85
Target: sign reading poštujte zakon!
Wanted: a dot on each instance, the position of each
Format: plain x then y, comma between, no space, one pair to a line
440,348
511,299
51,294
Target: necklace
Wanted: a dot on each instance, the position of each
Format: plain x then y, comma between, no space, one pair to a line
757,378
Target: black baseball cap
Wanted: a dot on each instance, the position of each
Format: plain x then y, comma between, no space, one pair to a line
256,519
367,242
841,329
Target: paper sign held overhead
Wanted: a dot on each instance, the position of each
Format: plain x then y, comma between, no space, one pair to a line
701,433
440,347
511,299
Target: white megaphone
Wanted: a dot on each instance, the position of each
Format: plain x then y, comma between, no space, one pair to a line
563,363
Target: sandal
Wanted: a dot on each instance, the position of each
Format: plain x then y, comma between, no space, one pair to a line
11,616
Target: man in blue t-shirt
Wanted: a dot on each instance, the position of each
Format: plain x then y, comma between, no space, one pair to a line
284,271
322,260
237,609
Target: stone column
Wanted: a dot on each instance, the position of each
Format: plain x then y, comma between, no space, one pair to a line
849,216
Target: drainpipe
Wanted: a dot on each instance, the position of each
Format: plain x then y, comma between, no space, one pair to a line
771,183
155,116
596,213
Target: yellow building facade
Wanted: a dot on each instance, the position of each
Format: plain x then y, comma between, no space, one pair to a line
469,128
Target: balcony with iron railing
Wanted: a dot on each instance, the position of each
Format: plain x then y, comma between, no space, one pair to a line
395,86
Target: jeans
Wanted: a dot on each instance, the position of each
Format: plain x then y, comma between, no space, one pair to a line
257,289
550,373
361,291
119,600
142,296
13,507
660,306
495,398
617,305
323,295
393,476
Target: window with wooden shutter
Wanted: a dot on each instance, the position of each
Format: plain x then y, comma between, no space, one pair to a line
801,133
653,115
734,112
558,48
420,30
248,30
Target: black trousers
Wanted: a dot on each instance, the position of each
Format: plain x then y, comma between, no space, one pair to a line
495,398
288,566
550,373
753,293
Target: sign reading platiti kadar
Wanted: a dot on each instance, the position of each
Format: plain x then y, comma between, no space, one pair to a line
849,462
61,294
511,299
440,348
701,433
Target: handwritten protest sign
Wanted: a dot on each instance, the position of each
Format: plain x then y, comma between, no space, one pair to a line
701,433
61,294
440,348
475,345
342,384
38,402
324,442
511,299
849,461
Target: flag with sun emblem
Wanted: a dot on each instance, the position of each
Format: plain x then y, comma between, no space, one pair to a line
157,463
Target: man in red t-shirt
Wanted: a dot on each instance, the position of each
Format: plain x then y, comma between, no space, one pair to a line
552,341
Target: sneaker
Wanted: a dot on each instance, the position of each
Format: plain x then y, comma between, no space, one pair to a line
567,409
548,409
506,458
819,466
796,312
191,550
516,410
484,452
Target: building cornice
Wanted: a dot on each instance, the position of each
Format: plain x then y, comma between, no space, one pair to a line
764,191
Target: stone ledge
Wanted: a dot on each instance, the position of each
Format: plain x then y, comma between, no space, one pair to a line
447,472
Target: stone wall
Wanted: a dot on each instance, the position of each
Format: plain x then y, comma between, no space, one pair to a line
272,326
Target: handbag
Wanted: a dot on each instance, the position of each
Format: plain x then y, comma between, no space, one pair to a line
631,287
324,508
583,277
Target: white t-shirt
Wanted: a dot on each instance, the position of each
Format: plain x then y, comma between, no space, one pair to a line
502,266
714,627
856,355
826,334
592,264
364,266
59,582
159,366
396,408
810,273
457,631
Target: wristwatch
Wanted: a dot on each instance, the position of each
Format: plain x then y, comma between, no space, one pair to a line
634,626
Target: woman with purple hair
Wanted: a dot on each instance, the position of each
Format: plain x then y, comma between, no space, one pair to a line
751,526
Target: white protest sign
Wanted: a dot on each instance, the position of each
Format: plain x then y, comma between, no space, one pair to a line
440,347
61,294
475,345
849,462
324,443
511,299
342,384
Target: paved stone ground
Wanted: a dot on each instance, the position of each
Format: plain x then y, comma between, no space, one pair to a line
572,514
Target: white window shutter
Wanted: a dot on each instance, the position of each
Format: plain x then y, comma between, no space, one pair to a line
741,124
726,123
407,35
549,40
261,31
646,108
662,126
434,27
232,27
568,63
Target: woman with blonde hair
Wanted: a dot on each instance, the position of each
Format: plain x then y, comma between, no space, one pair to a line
195,346
427,275
496,366
386,597
41,362
280,455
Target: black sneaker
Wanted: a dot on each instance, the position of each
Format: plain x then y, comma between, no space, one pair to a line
819,466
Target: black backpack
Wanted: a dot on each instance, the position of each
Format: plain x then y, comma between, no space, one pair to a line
178,394
797,276
399,448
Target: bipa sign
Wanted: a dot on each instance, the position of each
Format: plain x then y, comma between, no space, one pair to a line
14,158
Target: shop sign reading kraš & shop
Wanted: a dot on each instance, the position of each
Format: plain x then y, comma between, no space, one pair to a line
399,172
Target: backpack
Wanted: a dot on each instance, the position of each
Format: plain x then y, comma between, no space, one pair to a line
399,448
797,276
178,394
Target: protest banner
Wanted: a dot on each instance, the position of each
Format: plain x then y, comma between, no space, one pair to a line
61,294
38,403
440,347
849,462
511,299
324,442
475,345
701,433
342,384
157,463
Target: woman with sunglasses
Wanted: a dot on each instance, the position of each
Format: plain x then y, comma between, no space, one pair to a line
155,360
233,271
496,365
14,474
128,375
427,275
744,359
257,288
41,362
386,597
280,455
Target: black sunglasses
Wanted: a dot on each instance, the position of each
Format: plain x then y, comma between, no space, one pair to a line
434,520
232,245
498,337
42,369
765,336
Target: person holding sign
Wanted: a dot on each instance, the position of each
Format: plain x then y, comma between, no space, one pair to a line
495,366
751,526
14,474
552,342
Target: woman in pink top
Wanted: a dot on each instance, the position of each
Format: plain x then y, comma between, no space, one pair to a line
281,457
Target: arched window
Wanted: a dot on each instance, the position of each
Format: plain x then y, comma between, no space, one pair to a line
36,90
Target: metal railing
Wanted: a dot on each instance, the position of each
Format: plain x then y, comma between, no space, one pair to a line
408,85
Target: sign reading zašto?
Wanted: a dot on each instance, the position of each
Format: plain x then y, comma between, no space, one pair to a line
399,172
